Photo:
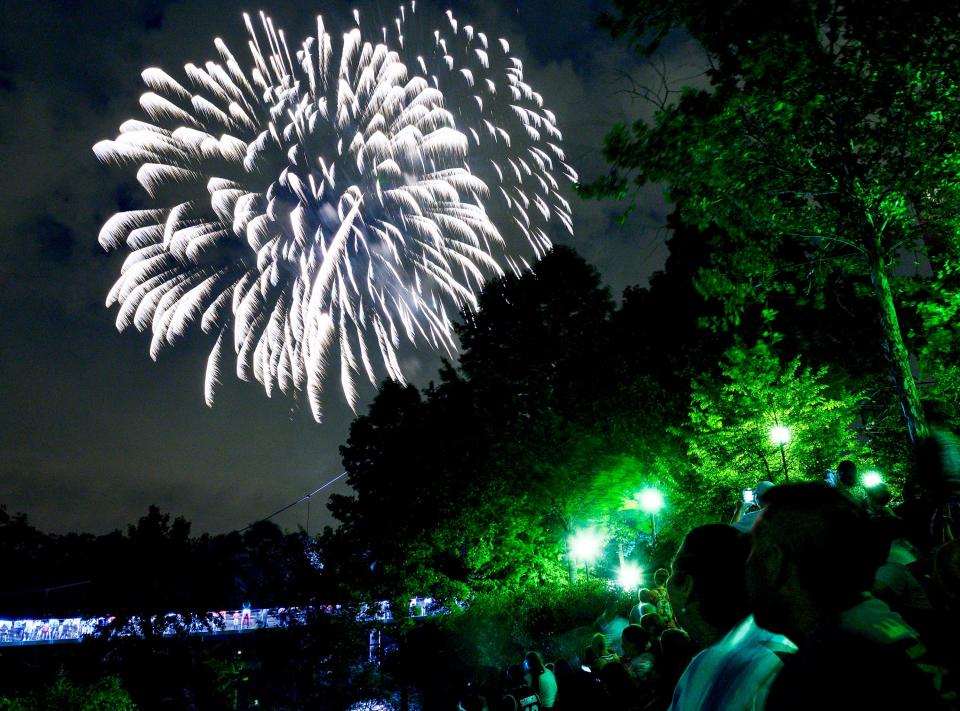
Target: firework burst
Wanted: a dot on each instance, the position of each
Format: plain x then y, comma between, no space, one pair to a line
332,199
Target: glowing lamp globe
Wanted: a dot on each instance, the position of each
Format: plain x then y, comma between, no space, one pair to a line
872,479
629,576
780,434
586,545
651,500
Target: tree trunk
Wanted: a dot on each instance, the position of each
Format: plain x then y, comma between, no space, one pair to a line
896,351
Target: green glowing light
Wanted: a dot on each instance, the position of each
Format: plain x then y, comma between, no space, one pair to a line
586,545
630,577
872,479
651,500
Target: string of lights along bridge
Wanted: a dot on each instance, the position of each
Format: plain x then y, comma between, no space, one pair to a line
52,630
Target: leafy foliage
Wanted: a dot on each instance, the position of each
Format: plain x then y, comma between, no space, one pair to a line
63,694
498,628
731,417
823,147
563,407
472,483
940,314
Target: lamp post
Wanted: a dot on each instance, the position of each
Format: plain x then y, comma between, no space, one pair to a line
651,502
781,435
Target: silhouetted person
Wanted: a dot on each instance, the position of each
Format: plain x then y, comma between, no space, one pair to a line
878,501
946,595
540,679
654,625
577,689
744,521
846,473
519,695
663,600
709,597
637,657
619,685
848,483
676,651
646,602
601,653
471,701
931,510
814,554
894,581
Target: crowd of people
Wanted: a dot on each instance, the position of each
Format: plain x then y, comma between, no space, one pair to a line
45,630
820,596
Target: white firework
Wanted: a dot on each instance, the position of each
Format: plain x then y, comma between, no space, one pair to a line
333,199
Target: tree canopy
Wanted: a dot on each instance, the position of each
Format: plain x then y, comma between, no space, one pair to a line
563,406
824,146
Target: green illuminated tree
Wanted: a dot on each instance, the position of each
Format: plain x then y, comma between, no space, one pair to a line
62,693
824,146
731,417
940,358
472,483
561,409
408,466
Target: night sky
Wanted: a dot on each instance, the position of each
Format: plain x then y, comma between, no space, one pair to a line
91,430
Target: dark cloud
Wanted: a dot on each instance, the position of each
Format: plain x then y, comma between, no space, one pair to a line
92,431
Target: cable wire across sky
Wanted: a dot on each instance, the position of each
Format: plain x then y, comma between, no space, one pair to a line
305,497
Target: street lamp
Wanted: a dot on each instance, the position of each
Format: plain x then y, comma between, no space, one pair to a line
781,435
586,544
651,502
872,479
630,577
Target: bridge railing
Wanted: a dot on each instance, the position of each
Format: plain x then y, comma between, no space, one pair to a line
48,630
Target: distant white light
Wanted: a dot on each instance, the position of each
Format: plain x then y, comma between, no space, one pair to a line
586,545
630,577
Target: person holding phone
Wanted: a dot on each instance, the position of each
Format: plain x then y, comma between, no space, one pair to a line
750,506
540,679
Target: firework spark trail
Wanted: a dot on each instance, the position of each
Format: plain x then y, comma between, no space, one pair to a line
333,199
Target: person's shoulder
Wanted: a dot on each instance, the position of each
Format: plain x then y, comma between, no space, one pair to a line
749,638
746,521
703,662
874,621
850,669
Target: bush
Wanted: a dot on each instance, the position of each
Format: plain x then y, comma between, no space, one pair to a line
440,656
107,694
